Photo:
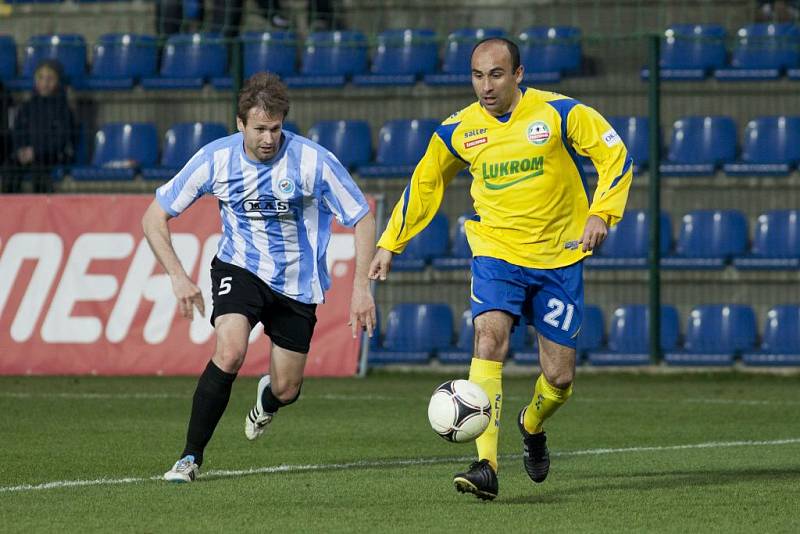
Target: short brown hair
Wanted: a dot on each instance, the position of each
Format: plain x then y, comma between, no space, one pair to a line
265,91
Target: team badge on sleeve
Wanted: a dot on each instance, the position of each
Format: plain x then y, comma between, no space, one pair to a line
538,133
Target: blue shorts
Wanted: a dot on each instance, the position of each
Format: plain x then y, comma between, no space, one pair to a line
550,299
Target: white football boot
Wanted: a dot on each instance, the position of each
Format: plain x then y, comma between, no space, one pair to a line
184,470
257,419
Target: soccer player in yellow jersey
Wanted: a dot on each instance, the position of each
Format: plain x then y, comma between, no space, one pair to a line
534,225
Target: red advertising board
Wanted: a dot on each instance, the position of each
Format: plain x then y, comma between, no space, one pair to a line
81,292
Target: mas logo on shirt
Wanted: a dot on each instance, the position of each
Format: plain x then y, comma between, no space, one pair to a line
538,133
265,206
286,187
611,138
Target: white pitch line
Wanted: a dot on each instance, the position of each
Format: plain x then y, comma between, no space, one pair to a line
370,398
222,473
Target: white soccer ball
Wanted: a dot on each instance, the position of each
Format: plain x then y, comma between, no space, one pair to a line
459,411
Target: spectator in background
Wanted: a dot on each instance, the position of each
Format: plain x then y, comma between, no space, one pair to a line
778,10
226,17
43,131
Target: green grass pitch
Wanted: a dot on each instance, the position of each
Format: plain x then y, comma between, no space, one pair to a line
630,453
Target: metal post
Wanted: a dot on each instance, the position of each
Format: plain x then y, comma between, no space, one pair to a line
655,199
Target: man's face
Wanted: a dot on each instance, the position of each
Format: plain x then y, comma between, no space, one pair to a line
46,81
262,134
493,79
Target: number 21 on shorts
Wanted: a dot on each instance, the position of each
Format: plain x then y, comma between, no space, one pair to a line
554,316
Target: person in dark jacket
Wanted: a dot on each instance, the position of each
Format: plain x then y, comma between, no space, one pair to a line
43,131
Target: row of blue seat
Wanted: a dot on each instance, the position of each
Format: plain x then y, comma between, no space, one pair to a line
715,335
761,52
699,146
708,239
401,57
327,58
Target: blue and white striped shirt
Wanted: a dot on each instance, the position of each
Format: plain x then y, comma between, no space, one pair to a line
276,216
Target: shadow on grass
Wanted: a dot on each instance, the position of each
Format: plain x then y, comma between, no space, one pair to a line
657,481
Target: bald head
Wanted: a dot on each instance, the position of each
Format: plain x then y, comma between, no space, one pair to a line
511,49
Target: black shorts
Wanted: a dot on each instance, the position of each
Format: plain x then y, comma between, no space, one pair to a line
287,322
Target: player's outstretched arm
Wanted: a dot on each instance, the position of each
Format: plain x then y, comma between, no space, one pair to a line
381,264
156,230
362,305
594,233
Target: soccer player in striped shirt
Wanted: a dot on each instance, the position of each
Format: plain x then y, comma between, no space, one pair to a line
533,227
278,194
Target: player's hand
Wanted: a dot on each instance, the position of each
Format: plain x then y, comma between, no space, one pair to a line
381,264
189,296
362,311
594,233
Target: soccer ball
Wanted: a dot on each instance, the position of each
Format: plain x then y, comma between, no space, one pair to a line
459,411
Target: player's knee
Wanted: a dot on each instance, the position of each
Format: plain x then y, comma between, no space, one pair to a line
287,392
490,344
560,378
229,358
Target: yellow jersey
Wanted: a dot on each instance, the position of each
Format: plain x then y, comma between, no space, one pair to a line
528,188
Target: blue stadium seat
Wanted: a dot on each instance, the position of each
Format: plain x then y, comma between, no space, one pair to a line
462,352
423,248
330,58
709,239
691,51
700,145
456,66
762,52
781,344
189,60
635,133
350,141
523,345
628,243
402,56
776,244
68,49
715,334
548,52
8,57
119,150
265,52
413,333
291,127
771,147
122,59
401,144
629,336
592,332
181,142
460,256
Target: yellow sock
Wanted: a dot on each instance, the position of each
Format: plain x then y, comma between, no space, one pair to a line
488,375
546,400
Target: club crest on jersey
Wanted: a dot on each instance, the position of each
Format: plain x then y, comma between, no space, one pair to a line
286,187
538,133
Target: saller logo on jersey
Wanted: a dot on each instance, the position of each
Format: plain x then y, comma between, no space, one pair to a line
492,172
266,206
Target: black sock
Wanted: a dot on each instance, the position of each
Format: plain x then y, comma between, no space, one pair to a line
209,403
271,403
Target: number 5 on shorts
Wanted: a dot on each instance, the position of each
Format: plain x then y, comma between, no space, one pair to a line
224,286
